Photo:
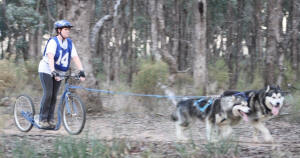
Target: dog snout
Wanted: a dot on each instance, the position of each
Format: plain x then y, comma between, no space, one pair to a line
277,105
249,111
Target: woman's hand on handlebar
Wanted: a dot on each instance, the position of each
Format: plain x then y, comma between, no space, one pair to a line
81,75
55,74
82,78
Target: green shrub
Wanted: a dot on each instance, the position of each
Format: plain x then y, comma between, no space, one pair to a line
244,84
8,77
218,71
19,78
222,148
70,147
24,149
293,101
288,72
32,75
83,147
150,74
147,82
183,80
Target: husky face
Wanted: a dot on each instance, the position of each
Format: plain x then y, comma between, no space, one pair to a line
237,105
241,109
274,99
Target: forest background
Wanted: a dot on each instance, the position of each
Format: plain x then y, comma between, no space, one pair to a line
193,47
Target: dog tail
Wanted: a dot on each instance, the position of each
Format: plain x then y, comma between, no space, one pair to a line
174,116
169,93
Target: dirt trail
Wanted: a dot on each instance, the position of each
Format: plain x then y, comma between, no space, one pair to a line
161,130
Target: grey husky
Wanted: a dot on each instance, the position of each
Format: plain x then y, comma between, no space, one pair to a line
219,115
264,104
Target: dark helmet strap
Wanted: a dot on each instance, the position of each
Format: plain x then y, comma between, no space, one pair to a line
61,34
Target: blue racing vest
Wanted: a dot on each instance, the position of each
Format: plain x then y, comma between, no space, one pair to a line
62,57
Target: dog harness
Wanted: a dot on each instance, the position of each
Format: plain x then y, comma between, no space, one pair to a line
242,95
202,109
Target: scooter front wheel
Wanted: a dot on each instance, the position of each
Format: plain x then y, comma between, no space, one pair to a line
23,112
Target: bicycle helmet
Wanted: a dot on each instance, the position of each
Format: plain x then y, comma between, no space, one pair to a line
62,24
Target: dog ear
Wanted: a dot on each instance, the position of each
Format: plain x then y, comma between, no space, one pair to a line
267,88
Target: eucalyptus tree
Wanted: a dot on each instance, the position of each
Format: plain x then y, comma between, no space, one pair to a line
81,14
21,17
273,38
200,48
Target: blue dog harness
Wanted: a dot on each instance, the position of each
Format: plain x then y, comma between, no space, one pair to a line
202,109
242,94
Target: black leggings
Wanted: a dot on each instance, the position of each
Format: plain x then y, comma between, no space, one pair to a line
50,89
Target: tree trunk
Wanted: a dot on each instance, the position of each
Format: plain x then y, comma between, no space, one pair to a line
50,17
166,56
80,14
254,42
39,37
230,44
38,33
154,29
183,39
295,44
199,65
176,33
3,12
24,50
131,51
259,32
8,48
273,37
238,43
2,51
35,38
95,32
117,33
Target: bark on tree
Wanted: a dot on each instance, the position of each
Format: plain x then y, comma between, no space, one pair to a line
117,33
131,50
273,37
295,37
199,65
183,43
254,42
166,56
176,33
229,43
154,28
259,32
3,8
50,17
35,38
95,32
238,43
79,13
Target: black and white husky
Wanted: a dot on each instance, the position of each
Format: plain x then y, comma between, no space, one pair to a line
263,104
219,114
